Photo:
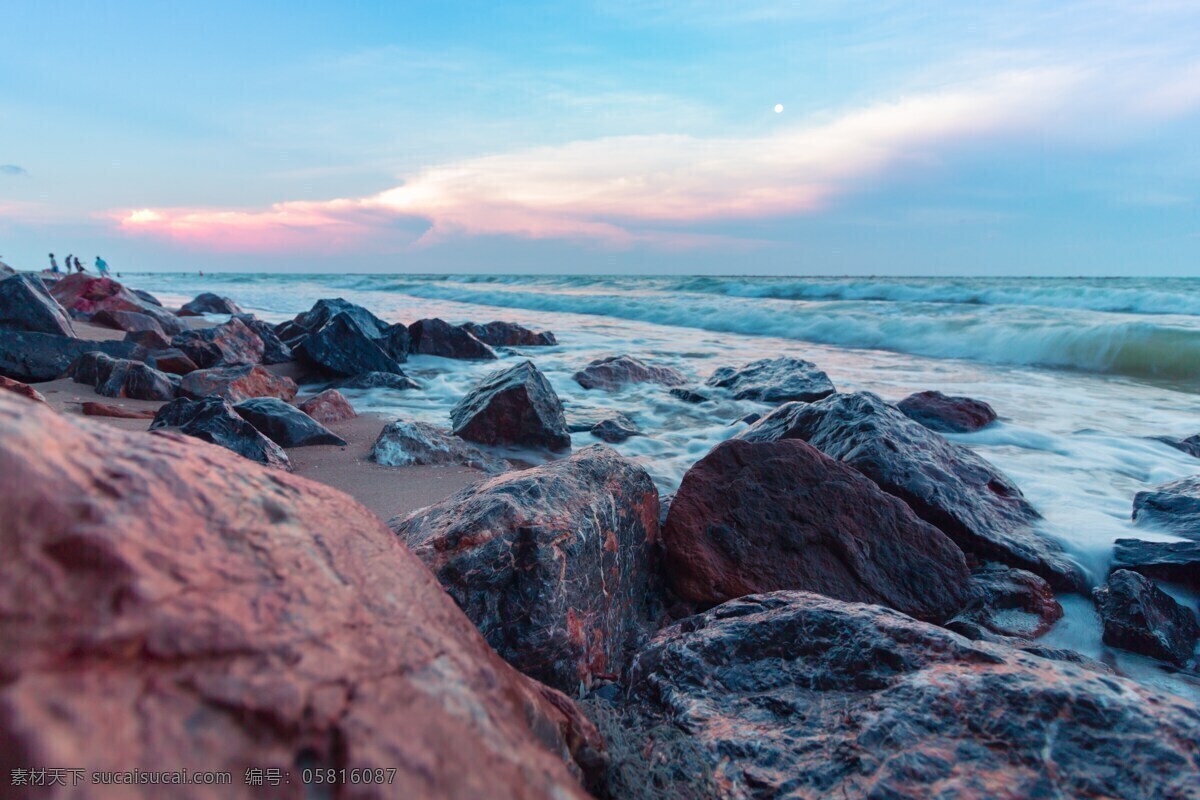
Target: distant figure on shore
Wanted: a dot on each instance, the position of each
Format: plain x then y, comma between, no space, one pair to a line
67,264
78,266
102,267
201,273
54,264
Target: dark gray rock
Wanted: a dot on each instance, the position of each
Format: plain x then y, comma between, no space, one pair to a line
1140,617
795,695
947,414
615,429
209,303
33,357
213,420
1173,507
435,337
406,442
759,516
774,380
149,298
690,395
26,305
509,334
343,347
325,310
947,484
616,371
284,424
275,350
378,380
552,564
514,406
229,344
397,342
1190,445
132,379
1178,562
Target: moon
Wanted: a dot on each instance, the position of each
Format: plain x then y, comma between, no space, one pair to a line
779,108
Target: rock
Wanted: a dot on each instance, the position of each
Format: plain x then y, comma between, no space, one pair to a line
33,357
209,303
85,296
406,442
1178,562
93,409
434,337
283,424
328,407
1140,617
509,334
291,333
756,517
396,381
171,360
1007,602
774,380
26,305
553,563
397,342
236,384
16,387
947,414
614,372
147,297
137,381
343,347
128,321
514,406
230,344
325,310
275,351
615,429
213,420
1190,445
149,339
1173,507
948,485
690,395
168,606
120,377
5,269
791,694
378,380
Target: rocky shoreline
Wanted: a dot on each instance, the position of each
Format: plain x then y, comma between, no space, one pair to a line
838,601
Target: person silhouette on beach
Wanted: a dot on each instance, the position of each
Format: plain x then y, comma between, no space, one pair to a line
67,264
102,267
53,264
78,266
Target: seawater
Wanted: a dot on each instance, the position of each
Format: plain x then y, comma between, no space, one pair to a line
1083,372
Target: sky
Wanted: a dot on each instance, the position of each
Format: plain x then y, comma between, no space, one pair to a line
697,136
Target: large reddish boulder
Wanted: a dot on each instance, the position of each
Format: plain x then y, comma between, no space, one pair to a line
237,383
553,564
514,406
791,694
230,344
86,296
756,517
328,406
26,305
23,389
91,408
947,413
165,605
616,371
435,337
948,485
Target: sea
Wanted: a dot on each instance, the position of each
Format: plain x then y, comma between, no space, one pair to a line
1084,372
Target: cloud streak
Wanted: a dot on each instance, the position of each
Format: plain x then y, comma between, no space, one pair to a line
631,190
13,170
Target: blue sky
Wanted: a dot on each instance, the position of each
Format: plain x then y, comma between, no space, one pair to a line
615,136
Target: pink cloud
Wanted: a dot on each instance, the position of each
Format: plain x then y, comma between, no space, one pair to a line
623,191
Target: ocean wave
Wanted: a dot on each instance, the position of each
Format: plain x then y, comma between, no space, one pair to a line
1080,341
1134,296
